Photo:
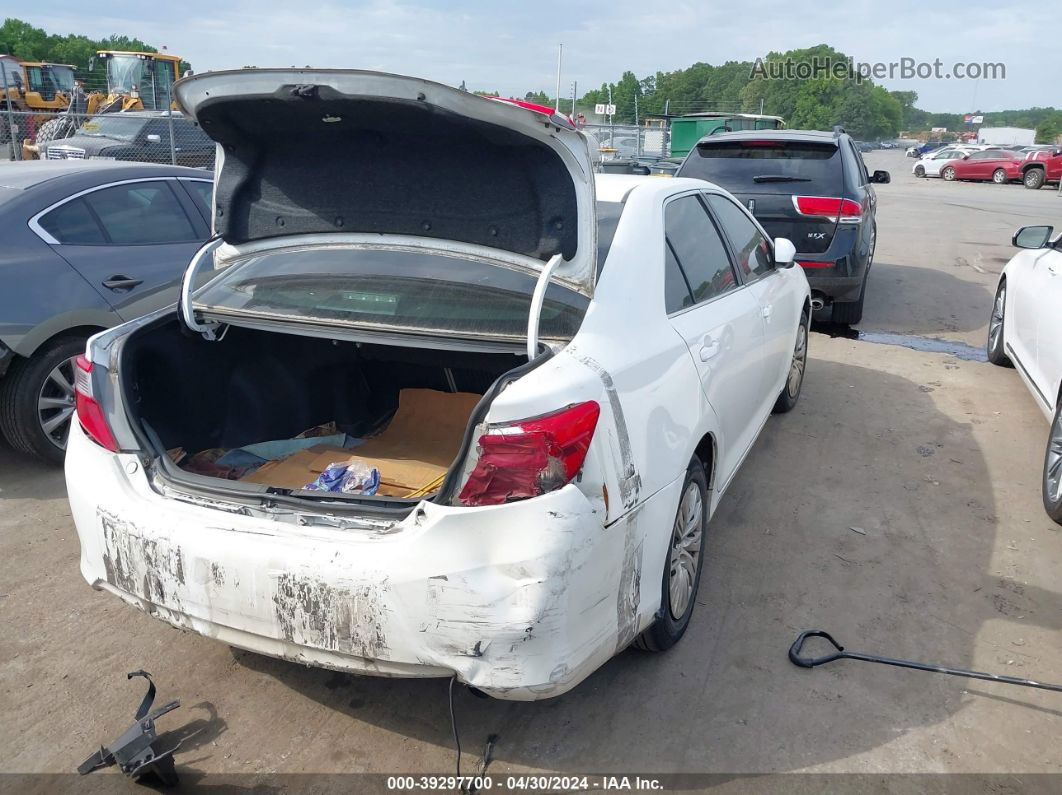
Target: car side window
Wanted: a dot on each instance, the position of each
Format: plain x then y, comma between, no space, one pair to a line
753,250
700,251
861,167
677,293
202,194
73,224
141,213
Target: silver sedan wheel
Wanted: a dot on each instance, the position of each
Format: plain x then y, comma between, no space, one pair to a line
685,550
1053,462
800,361
995,323
55,403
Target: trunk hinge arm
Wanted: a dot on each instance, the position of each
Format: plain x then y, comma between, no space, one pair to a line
204,255
537,299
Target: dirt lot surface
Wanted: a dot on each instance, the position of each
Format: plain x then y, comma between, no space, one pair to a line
934,459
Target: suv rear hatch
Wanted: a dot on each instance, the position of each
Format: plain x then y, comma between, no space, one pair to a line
793,187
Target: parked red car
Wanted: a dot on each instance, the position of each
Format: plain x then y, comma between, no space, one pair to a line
998,165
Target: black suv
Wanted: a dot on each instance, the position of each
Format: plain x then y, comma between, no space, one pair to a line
812,188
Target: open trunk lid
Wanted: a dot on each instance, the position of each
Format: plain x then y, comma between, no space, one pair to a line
766,175
309,152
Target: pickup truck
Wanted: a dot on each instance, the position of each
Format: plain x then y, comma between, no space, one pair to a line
1041,167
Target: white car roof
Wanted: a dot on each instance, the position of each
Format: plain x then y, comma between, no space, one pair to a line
615,187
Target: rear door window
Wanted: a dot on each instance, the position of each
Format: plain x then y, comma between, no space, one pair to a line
73,224
698,248
141,213
752,249
767,166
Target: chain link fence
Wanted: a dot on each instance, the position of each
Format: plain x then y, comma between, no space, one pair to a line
627,141
150,136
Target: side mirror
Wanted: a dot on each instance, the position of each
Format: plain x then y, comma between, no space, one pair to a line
881,177
784,252
154,139
1032,236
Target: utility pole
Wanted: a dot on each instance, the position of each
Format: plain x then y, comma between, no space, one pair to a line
761,106
575,93
560,54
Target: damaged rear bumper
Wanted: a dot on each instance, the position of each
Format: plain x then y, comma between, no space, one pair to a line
522,601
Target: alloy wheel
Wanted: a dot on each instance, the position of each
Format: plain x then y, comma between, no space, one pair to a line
999,176
55,403
685,550
800,360
948,174
1053,462
995,323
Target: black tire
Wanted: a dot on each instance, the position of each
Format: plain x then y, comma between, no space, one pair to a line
850,312
790,393
919,171
667,630
20,390
995,347
1034,178
947,174
999,176
1052,480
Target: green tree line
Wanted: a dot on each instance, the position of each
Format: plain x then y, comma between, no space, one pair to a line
866,110
28,43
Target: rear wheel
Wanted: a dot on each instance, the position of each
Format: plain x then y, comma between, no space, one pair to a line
790,394
996,351
1052,486
683,564
948,173
999,176
37,400
1034,178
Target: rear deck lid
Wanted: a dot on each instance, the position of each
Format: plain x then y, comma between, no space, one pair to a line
766,173
308,152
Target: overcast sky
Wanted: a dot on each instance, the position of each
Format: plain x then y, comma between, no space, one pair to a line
511,47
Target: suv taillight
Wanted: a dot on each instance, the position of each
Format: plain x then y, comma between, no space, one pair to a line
843,211
89,411
530,457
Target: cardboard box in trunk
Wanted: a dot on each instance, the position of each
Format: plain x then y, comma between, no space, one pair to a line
418,446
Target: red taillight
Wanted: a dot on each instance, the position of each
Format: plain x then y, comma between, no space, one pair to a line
844,211
815,264
89,412
531,457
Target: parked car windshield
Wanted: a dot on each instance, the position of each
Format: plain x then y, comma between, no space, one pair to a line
392,290
121,128
771,166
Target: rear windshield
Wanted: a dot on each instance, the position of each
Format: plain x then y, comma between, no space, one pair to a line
764,166
392,290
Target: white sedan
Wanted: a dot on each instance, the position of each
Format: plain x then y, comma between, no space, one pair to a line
498,410
932,163
1025,330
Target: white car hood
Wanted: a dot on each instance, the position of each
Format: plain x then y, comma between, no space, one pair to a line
312,152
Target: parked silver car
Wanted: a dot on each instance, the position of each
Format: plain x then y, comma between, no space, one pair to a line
84,246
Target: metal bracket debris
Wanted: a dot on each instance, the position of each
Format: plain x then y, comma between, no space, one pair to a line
134,751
